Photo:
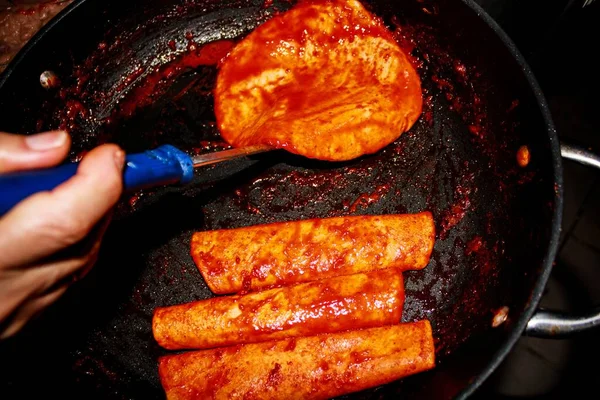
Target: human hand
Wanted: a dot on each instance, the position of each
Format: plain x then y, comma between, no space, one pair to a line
52,238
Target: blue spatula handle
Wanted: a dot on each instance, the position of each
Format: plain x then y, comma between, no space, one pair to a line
164,165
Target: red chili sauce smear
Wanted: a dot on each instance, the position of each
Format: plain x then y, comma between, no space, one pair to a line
161,78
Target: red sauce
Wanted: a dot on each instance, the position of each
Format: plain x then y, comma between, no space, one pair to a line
207,258
134,199
218,354
291,345
73,110
275,376
209,146
523,156
460,69
161,78
95,367
215,378
443,84
513,106
131,78
474,245
38,8
366,199
453,216
246,282
360,357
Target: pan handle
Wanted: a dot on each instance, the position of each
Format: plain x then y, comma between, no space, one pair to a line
557,324
580,155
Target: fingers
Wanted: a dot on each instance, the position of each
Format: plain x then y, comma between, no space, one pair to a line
19,285
37,233
20,152
30,310
48,222
93,251
27,291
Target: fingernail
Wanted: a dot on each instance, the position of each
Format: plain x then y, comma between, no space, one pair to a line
46,141
119,159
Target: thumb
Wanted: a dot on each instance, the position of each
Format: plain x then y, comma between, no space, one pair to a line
21,152
48,222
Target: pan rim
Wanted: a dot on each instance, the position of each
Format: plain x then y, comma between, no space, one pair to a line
22,53
556,221
557,214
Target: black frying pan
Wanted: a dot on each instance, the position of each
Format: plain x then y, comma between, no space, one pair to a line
498,223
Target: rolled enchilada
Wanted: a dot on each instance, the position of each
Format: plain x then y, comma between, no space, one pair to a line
315,367
262,256
348,302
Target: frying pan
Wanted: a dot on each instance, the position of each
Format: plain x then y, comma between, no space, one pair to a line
498,223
